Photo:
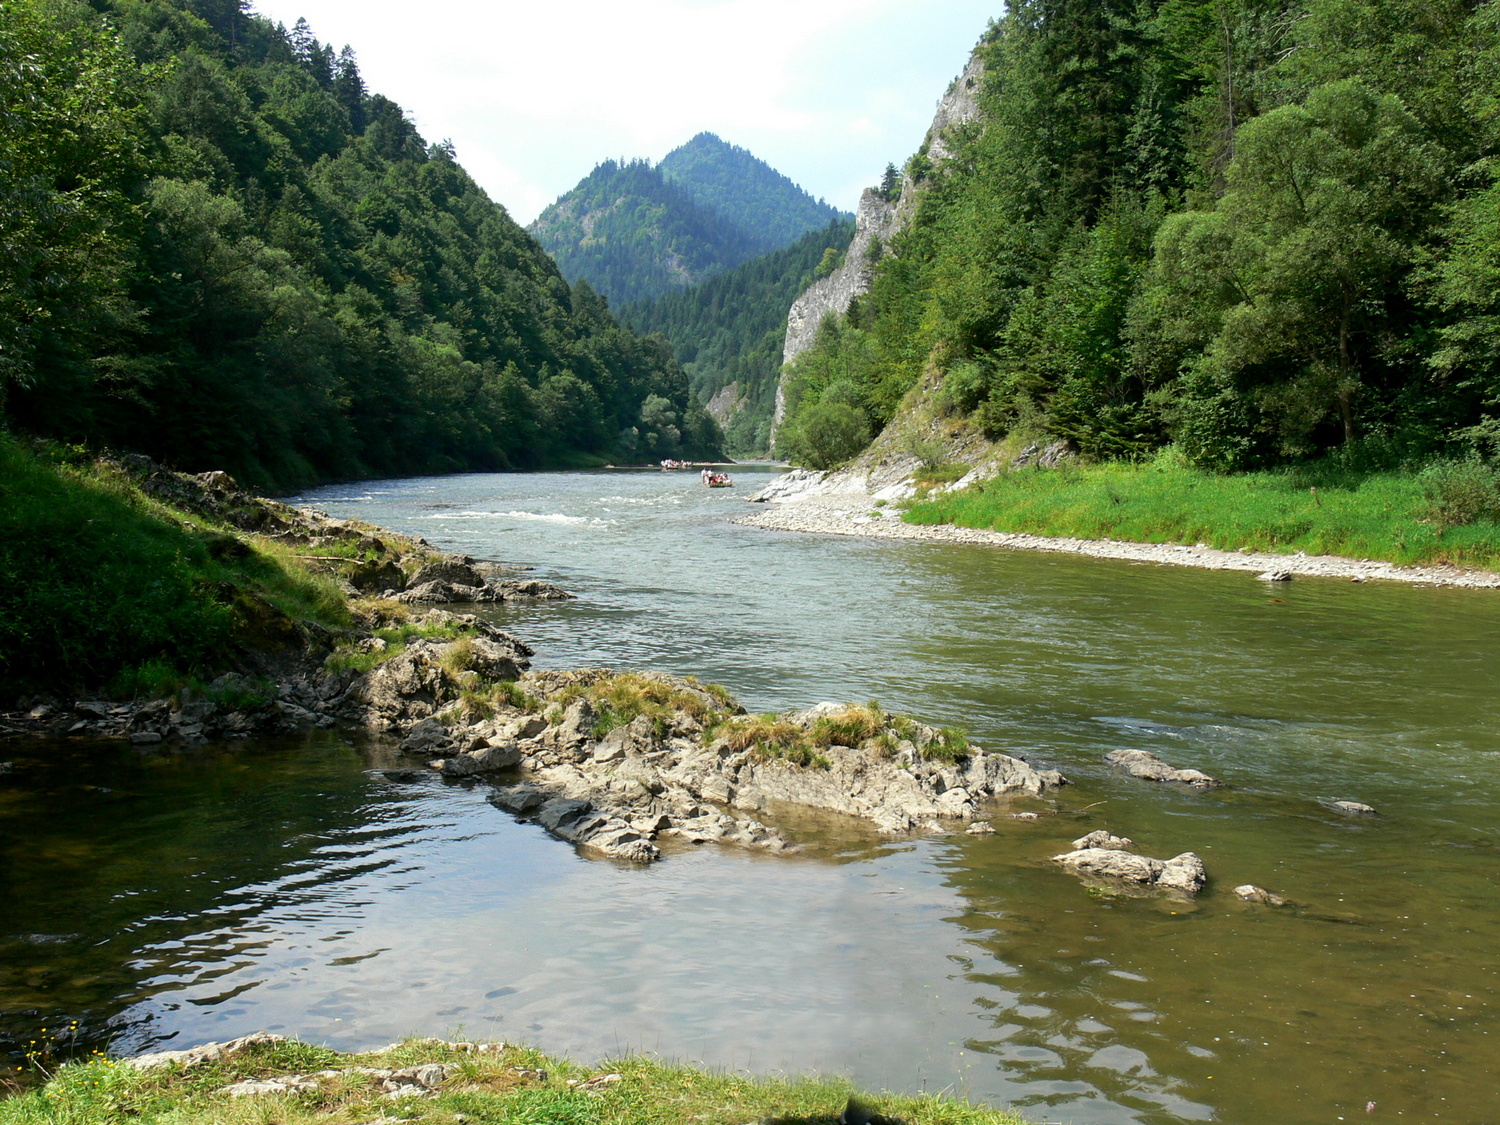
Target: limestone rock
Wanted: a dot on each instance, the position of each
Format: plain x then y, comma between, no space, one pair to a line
208,1052
519,799
1143,764
1100,838
286,1084
1352,808
576,729
427,736
447,593
498,755
1183,873
454,570
530,589
636,738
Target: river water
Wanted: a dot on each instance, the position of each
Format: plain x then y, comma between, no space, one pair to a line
290,886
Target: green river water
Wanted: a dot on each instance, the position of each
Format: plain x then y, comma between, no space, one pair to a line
180,897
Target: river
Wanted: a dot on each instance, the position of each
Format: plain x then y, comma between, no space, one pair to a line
175,898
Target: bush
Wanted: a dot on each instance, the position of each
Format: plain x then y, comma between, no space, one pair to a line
825,434
1461,492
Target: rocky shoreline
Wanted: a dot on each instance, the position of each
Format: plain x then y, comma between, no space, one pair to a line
857,513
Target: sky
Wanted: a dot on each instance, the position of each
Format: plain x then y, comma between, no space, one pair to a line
534,94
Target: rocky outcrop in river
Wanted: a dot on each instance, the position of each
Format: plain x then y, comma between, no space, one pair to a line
690,766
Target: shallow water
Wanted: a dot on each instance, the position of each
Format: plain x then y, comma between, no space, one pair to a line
289,886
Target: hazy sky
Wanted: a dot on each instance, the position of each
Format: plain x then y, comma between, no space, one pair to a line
533,95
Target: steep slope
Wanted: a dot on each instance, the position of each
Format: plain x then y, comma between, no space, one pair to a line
746,190
222,251
634,231
729,331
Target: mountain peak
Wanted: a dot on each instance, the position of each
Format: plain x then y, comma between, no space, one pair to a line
635,231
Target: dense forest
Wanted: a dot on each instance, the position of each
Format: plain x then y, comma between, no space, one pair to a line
218,248
1262,231
729,331
634,230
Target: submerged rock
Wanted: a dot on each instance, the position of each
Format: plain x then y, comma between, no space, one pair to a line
1251,893
1352,808
1144,764
530,589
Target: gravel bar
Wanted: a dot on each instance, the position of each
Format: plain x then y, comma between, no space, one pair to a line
855,514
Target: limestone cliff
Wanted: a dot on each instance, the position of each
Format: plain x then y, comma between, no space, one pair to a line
876,219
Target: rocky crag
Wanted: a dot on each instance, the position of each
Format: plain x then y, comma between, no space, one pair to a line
877,221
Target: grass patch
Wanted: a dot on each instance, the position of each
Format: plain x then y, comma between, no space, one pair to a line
850,727
501,1087
768,737
620,698
485,702
386,644
1448,513
100,585
930,476
951,745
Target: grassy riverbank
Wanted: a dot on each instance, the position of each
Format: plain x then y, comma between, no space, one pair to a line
104,586
1445,514
515,1086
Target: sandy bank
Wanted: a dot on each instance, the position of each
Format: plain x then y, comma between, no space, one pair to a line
855,514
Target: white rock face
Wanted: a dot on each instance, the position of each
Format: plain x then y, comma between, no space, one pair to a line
874,218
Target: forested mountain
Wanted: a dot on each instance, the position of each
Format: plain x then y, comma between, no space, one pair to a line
728,331
218,248
732,182
634,231
1263,230
630,234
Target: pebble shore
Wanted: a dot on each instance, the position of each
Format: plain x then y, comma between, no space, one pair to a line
856,514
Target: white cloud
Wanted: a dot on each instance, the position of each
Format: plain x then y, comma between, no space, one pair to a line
534,95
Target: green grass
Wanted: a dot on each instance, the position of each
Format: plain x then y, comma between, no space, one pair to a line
101,586
486,1088
394,638
1440,515
622,697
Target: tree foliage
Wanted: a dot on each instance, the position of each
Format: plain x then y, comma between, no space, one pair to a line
1260,229
222,250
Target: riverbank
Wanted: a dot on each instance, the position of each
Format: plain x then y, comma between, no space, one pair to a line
266,1078
859,513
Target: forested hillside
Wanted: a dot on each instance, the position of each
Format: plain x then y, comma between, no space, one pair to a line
1265,231
634,231
734,183
728,331
218,248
